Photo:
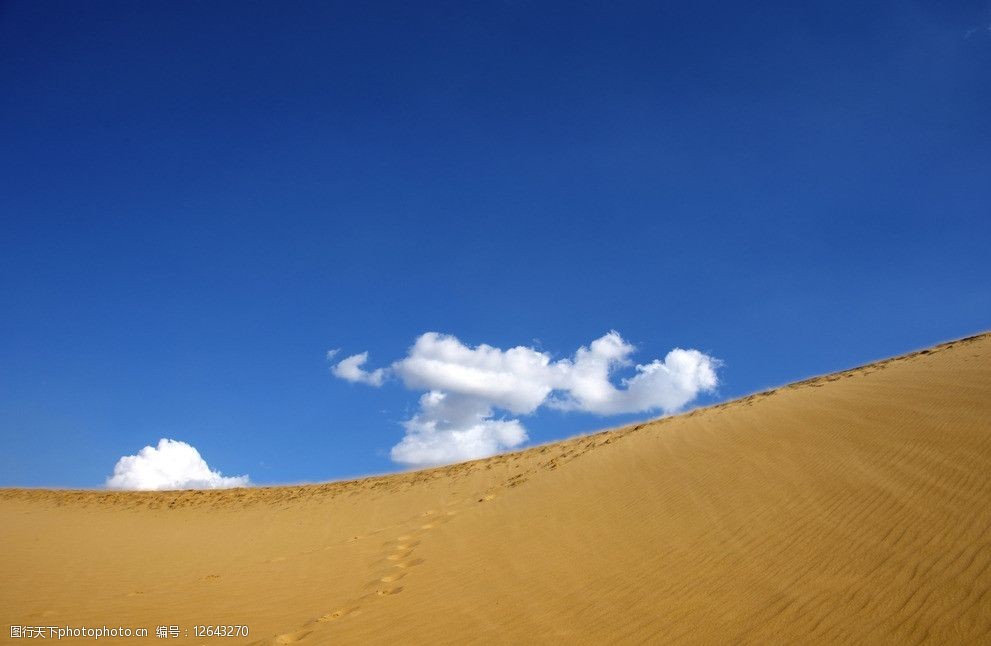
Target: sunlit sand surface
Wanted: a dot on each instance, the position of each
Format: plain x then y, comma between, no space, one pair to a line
851,508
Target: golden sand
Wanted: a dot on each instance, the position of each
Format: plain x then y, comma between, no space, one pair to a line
850,508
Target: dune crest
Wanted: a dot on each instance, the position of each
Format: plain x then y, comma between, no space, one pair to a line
849,508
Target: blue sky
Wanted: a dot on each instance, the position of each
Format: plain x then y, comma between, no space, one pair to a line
198,201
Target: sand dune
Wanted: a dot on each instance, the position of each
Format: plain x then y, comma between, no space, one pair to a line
850,508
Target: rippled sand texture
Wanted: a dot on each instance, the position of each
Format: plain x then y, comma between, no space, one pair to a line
850,508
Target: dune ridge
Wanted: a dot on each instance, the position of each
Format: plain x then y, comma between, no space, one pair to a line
847,508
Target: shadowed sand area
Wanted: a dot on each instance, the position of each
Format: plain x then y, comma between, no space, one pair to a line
850,508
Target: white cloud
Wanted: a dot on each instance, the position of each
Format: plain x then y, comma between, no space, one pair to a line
465,386
170,465
517,380
350,369
659,385
453,428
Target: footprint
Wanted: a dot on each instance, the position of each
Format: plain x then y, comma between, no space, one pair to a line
389,591
399,556
337,614
211,578
392,578
440,520
410,563
291,638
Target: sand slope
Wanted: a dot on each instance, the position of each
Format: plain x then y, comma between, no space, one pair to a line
851,508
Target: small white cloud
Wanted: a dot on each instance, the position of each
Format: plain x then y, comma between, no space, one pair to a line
350,369
466,385
170,465
659,385
450,428
517,380
332,353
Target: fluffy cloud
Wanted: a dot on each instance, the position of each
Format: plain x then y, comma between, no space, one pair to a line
517,380
659,385
465,386
451,428
350,369
170,465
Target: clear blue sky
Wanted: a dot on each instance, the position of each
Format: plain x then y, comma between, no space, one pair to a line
198,200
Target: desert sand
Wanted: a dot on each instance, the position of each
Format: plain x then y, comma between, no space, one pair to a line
849,508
